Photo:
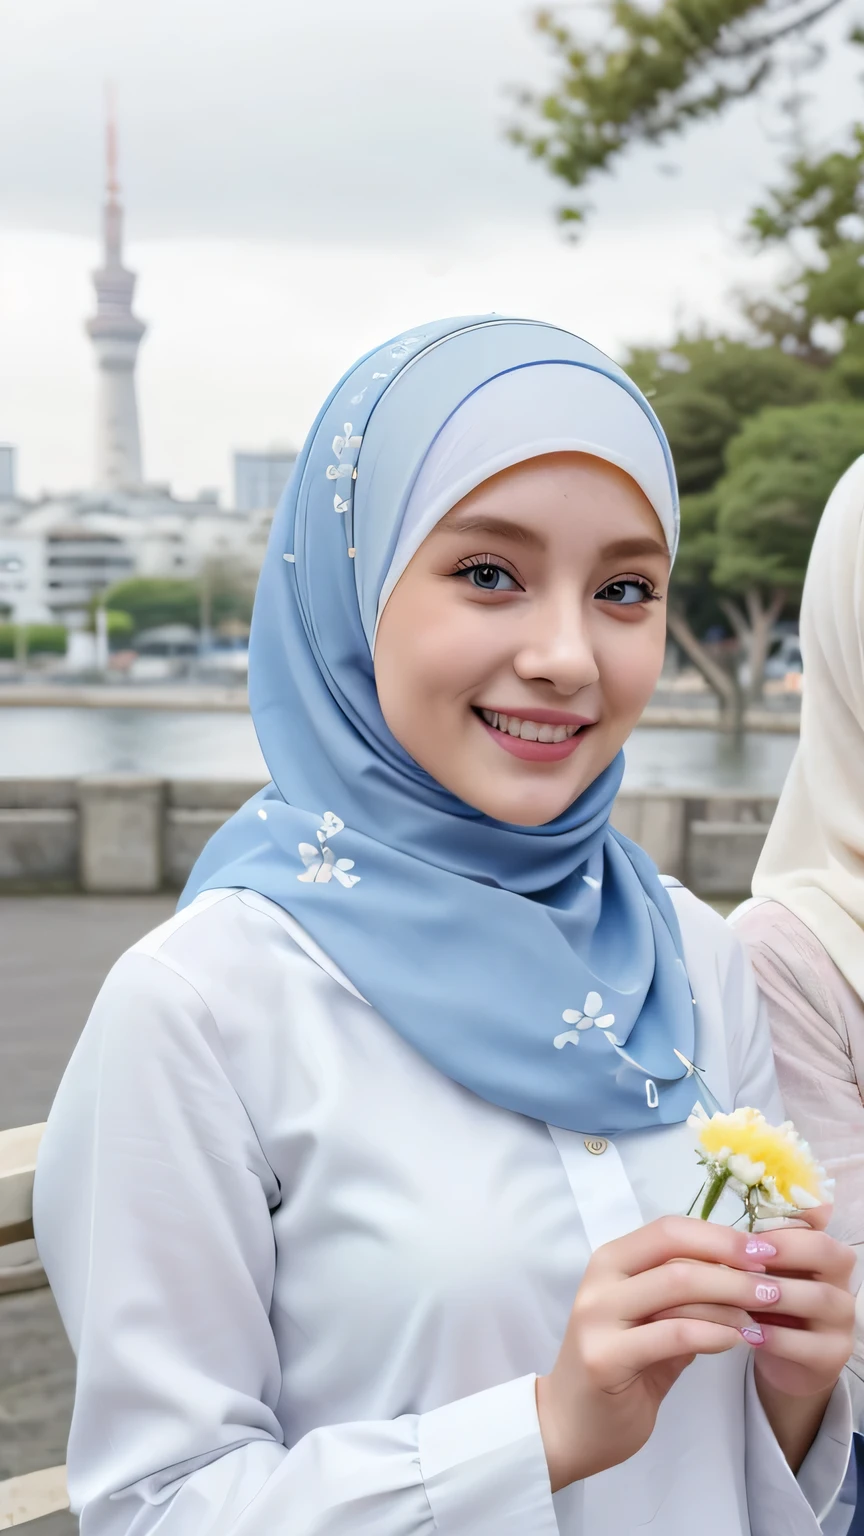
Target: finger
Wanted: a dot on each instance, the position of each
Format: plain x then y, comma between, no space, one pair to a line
822,1353
683,1283
817,1217
727,1317
814,1302
671,1339
803,1251
675,1237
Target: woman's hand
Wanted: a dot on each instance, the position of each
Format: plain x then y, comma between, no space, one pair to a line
623,1350
809,1332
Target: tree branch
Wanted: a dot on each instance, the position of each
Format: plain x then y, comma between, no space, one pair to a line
768,39
717,679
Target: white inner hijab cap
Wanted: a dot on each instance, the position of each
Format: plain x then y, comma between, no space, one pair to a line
544,408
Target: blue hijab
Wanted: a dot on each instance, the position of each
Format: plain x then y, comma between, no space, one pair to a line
540,967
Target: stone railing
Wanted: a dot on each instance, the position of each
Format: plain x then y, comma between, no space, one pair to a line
129,834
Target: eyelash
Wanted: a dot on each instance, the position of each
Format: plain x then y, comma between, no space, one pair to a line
648,593
493,563
484,562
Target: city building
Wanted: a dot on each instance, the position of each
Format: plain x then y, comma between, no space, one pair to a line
7,472
57,552
260,478
23,580
116,336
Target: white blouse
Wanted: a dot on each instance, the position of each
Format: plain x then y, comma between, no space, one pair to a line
310,1281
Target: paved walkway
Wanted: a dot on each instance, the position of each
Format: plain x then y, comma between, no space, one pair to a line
54,953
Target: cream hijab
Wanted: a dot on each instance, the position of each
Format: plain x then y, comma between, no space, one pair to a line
813,860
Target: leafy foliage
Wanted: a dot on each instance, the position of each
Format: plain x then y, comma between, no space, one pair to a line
654,70
39,639
703,388
782,467
822,205
153,601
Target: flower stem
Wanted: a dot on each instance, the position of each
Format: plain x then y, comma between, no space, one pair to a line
693,1203
715,1190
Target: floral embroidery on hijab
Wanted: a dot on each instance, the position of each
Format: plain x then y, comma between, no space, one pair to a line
585,1018
321,862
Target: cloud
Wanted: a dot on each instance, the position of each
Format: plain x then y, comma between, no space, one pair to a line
303,179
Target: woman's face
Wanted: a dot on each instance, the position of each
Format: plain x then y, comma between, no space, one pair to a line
523,641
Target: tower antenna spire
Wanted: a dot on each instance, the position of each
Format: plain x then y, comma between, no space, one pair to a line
112,182
116,333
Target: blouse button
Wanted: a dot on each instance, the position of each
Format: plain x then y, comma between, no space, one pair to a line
595,1145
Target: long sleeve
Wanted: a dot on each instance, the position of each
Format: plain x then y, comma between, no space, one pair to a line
776,1499
153,1210
817,1027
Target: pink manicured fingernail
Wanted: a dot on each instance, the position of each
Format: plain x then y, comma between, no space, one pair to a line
753,1334
760,1250
767,1293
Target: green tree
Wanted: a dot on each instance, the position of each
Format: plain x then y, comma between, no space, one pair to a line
120,626
817,215
32,639
151,601
750,536
219,596
652,70
704,388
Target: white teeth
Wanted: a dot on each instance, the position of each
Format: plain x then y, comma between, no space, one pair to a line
528,730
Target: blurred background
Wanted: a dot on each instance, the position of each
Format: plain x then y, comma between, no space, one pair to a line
207,211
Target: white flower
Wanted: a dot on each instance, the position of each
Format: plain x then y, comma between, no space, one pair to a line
586,1018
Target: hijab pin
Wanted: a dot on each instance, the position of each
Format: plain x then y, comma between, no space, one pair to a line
289,558
693,1071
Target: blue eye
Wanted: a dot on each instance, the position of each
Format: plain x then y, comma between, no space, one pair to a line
625,593
489,578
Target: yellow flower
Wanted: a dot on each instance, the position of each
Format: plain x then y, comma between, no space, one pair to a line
769,1166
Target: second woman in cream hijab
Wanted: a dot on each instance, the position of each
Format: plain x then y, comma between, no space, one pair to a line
805,931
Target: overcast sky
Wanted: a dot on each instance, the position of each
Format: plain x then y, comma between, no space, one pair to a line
303,179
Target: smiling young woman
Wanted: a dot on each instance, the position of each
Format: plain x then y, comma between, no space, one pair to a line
351,1235
520,637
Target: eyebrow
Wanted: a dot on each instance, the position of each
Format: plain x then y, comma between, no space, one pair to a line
497,527
621,549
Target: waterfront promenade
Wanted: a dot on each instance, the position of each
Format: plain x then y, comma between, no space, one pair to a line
54,953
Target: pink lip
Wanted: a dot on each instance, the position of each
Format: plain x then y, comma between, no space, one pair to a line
536,751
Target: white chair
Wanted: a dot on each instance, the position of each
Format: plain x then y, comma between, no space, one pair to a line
35,1494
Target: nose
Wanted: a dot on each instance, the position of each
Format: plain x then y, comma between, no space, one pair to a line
558,646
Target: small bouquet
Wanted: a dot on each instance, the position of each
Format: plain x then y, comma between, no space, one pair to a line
769,1167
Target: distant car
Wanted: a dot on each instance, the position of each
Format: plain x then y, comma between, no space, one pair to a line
785,658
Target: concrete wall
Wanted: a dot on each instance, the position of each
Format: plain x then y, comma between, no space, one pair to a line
131,834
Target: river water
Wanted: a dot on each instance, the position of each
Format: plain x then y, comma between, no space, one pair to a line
67,743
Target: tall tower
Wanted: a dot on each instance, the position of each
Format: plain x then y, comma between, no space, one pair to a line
116,335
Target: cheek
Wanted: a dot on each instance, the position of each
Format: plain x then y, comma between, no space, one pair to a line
421,661
430,652
632,661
